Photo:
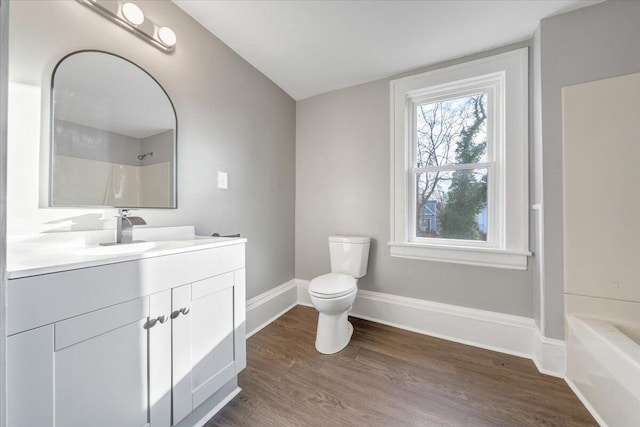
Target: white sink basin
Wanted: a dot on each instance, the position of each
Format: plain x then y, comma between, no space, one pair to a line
132,248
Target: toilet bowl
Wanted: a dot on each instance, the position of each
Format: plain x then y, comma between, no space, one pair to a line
333,294
334,330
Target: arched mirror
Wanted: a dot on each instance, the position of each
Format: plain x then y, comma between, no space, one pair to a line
113,135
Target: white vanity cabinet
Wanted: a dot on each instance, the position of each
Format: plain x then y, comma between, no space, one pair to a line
147,361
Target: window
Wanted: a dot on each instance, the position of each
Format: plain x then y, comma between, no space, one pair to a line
459,140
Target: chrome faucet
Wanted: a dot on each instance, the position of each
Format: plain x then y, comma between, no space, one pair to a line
124,227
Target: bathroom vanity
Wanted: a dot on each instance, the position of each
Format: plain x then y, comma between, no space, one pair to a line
117,337
127,334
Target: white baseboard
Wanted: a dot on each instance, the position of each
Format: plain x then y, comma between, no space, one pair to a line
586,403
268,306
303,292
500,332
204,420
549,355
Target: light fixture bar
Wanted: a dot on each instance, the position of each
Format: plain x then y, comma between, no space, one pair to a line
146,30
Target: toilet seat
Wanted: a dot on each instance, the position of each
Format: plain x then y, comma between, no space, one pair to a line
332,285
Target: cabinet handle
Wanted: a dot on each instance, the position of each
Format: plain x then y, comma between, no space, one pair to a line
150,323
183,310
162,318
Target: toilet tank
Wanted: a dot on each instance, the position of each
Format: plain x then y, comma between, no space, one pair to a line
349,255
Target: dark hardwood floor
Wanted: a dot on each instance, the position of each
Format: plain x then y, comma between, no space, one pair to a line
390,377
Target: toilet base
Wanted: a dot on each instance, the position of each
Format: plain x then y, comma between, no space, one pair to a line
334,332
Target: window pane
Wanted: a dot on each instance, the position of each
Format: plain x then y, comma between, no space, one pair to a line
452,205
453,131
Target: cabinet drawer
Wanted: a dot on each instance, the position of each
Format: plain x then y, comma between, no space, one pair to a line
202,288
80,328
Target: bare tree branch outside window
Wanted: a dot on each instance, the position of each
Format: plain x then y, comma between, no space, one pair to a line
451,132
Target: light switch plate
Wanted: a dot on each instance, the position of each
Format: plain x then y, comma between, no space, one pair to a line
223,183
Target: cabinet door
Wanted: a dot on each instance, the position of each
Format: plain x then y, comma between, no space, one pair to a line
204,355
101,367
160,359
30,378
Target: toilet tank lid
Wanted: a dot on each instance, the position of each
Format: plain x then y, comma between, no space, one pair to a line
350,239
332,284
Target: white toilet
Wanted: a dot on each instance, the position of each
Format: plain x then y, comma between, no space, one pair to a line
333,294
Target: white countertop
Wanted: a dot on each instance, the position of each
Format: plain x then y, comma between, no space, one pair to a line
68,251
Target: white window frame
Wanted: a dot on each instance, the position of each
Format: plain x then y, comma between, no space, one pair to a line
505,79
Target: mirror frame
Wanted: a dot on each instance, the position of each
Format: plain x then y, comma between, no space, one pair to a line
51,137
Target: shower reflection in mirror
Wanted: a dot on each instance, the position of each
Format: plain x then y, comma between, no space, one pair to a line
113,135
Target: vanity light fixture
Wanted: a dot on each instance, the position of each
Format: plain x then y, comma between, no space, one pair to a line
129,16
167,36
132,13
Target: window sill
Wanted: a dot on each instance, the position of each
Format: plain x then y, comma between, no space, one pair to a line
484,257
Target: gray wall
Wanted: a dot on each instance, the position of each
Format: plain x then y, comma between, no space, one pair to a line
161,145
342,164
84,142
587,44
4,69
230,118
342,187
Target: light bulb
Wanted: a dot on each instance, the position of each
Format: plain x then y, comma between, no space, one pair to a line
167,36
132,13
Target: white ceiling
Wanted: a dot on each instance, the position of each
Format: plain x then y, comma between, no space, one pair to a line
312,47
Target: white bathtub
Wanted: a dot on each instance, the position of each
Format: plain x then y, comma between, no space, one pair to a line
603,368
